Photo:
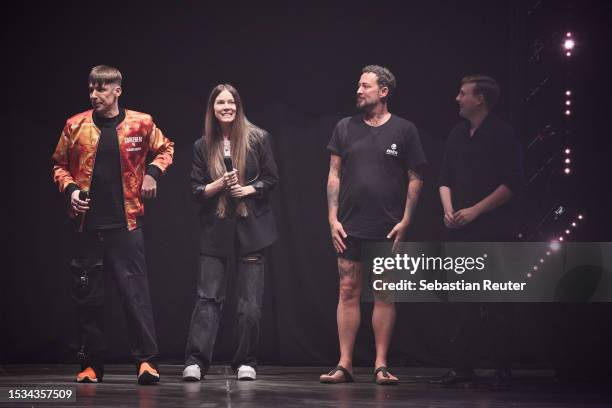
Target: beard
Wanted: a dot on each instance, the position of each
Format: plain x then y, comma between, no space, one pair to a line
363,104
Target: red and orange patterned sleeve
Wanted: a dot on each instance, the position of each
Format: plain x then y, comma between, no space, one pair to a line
61,173
162,147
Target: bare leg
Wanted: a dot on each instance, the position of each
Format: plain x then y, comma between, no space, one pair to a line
348,312
383,321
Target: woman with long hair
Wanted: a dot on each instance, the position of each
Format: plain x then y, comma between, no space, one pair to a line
232,175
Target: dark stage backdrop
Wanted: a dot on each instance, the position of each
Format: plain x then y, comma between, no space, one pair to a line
296,69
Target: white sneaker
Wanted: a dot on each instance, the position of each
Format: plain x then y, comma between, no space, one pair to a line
192,373
246,373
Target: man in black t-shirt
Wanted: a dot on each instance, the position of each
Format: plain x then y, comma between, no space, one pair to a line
373,188
482,171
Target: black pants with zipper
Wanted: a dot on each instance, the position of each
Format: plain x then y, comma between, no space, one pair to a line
119,253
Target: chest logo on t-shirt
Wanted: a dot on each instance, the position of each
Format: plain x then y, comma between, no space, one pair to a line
392,151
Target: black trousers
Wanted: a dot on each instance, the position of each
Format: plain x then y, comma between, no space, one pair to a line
121,254
211,289
484,329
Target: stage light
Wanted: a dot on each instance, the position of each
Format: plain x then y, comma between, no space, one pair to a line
568,54
568,103
568,93
541,260
568,34
535,267
579,216
547,253
561,239
555,246
567,161
567,151
567,170
574,224
568,112
569,44
567,232
529,274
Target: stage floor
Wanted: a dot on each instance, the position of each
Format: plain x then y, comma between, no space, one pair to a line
299,387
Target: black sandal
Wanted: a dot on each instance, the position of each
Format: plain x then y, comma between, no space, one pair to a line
387,380
328,379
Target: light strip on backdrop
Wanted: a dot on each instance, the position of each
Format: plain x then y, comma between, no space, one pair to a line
555,243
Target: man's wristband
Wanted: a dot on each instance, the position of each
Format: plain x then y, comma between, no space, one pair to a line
153,171
72,187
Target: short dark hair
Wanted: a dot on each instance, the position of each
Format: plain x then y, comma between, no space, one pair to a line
486,86
104,74
385,77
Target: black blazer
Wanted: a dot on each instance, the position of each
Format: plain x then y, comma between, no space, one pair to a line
235,234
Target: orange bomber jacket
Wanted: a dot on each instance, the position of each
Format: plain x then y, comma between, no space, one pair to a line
75,155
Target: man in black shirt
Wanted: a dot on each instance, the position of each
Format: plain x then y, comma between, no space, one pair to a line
482,168
482,171
373,188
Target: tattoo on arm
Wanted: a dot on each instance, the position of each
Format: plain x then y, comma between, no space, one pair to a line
333,182
332,195
415,182
413,175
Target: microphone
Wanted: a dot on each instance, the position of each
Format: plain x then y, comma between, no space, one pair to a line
227,160
229,166
83,195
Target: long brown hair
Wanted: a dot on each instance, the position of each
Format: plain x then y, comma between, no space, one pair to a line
242,137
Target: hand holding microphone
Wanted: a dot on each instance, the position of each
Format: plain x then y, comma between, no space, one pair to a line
231,176
79,201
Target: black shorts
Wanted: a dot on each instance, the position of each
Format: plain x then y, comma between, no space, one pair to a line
353,251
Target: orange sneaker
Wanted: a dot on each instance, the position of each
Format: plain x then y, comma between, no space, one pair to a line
147,374
88,375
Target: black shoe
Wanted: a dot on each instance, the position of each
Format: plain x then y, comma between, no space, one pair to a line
502,380
454,376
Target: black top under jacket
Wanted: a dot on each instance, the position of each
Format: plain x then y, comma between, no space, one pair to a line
107,208
474,167
374,173
235,234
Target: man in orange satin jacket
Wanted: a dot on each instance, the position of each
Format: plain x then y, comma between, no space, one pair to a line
99,164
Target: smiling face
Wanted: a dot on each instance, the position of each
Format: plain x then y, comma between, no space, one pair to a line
225,107
104,97
369,93
469,103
